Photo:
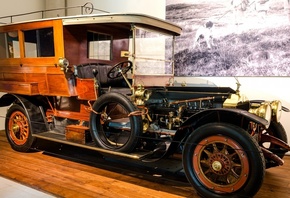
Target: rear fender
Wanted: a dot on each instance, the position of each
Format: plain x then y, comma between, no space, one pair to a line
35,113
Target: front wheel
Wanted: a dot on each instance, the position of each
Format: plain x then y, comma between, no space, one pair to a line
222,160
18,129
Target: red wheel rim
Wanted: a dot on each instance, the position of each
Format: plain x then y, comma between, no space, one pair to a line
221,164
18,128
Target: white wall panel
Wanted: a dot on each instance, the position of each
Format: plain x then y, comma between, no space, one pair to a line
13,7
150,7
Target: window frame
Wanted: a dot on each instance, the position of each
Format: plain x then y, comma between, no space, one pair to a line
39,43
98,57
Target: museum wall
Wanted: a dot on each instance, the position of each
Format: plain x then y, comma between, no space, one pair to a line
254,86
13,7
150,7
246,41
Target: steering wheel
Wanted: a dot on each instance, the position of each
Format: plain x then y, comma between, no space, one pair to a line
119,69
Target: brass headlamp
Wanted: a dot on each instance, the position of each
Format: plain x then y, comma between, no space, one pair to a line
262,110
276,106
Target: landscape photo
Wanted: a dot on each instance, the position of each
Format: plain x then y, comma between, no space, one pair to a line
231,37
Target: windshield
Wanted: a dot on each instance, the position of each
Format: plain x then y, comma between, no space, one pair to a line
153,52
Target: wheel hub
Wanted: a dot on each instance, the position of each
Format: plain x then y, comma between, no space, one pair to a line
220,164
216,165
15,128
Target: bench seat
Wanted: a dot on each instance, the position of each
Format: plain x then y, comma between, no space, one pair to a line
85,71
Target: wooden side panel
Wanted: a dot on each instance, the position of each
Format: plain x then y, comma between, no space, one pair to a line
41,79
13,77
58,85
85,89
77,133
44,71
19,87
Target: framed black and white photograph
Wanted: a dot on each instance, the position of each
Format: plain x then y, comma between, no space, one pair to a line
231,37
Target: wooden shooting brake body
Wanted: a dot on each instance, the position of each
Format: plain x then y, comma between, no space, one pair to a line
37,74
43,75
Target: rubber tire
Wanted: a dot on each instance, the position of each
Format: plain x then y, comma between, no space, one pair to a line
252,149
30,140
135,121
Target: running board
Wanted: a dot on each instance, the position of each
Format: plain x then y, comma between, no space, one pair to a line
60,138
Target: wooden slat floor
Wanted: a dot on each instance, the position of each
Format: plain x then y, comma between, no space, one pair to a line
67,177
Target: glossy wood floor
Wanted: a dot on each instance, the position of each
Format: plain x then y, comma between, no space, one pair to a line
72,173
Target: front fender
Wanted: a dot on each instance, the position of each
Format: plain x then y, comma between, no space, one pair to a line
237,117
227,115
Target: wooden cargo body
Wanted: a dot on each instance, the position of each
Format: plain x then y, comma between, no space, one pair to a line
31,66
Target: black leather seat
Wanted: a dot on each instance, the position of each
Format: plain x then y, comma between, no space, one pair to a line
85,71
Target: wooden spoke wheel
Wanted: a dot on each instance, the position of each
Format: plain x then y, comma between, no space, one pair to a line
223,160
18,130
221,164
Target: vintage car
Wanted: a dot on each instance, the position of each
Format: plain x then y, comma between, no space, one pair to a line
106,82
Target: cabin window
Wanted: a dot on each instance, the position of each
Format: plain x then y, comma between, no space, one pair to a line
9,45
99,46
39,43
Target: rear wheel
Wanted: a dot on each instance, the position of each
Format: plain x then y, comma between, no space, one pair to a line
222,160
18,129
111,125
